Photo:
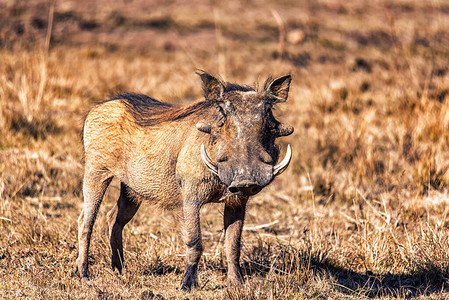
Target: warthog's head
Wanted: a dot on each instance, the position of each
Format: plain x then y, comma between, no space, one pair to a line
244,132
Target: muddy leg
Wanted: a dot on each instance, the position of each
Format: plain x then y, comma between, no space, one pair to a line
119,216
94,187
233,223
192,238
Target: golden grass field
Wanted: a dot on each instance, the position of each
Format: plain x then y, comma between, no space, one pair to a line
362,211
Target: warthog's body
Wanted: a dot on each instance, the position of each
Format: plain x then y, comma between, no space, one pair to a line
153,148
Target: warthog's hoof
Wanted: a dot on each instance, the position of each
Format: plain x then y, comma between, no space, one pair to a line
84,278
116,264
82,272
188,284
235,279
190,279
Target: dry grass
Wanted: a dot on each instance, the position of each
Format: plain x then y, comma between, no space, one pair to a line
362,212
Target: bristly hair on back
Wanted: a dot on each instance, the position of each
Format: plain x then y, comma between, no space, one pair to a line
148,111
230,87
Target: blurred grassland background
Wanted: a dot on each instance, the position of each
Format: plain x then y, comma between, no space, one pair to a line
362,211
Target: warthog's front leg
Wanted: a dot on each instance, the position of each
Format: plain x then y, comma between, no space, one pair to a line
234,216
192,238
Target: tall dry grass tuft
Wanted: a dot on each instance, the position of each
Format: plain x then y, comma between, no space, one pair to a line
26,89
24,112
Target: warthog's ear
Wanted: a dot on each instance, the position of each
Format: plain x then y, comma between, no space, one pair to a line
278,88
213,88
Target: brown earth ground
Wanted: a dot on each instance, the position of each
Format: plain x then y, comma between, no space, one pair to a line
360,213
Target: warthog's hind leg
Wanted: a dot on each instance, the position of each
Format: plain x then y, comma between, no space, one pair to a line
119,216
94,187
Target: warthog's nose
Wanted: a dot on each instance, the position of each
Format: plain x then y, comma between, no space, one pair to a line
245,187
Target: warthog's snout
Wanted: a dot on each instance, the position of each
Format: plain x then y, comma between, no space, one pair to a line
245,184
244,188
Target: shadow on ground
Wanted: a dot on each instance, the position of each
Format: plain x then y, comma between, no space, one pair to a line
425,282
282,259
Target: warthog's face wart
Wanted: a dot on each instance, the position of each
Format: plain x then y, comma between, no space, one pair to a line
244,132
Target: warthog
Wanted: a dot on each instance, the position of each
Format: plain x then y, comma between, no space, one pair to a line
159,154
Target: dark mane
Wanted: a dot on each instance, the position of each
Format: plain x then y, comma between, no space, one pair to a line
147,111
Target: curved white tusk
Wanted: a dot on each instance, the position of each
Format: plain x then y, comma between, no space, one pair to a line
207,161
278,169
